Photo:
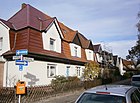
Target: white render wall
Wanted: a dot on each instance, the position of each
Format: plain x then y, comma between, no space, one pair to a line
89,54
37,70
72,46
4,32
98,57
52,33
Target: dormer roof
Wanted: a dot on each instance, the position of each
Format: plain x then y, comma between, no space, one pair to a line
97,48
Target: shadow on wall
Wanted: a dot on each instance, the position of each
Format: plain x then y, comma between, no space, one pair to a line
32,78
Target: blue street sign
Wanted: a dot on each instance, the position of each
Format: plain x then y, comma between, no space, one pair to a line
21,52
21,62
20,67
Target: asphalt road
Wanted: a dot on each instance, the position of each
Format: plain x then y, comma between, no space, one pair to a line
72,96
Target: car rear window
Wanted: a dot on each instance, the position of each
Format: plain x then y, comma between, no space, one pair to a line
100,98
135,78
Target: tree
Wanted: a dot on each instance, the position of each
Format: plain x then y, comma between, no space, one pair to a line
91,70
134,53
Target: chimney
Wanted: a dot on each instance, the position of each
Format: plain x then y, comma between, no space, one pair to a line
23,5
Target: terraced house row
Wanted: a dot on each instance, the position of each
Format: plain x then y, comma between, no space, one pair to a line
56,49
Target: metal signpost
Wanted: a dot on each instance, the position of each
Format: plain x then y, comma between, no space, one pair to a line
20,62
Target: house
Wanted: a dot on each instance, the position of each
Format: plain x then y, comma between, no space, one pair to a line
107,61
128,66
117,61
98,53
56,48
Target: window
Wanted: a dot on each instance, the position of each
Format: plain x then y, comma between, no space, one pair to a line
75,51
52,44
67,71
90,56
1,42
78,72
51,70
99,98
135,97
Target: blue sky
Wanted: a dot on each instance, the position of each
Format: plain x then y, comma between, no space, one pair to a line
111,22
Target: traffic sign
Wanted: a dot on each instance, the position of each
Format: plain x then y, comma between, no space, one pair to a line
22,62
16,57
28,59
21,52
20,67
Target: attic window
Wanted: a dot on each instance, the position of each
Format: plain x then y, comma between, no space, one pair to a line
75,51
1,42
52,44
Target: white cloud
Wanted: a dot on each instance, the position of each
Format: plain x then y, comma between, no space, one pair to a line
121,48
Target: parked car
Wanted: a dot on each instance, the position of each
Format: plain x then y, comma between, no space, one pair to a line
135,80
110,94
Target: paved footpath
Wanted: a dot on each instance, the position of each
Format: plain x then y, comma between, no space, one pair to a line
64,98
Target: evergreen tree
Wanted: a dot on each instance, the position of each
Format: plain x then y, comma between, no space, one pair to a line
134,53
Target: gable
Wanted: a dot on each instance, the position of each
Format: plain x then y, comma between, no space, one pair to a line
52,33
76,40
90,46
2,25
4,35
58,28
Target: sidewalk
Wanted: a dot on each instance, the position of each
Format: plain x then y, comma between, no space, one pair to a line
69,97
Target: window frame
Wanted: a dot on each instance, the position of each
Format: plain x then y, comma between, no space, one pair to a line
52,44
49,70
76,51
78,71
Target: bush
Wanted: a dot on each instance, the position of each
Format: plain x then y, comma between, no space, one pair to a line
62,79
126,75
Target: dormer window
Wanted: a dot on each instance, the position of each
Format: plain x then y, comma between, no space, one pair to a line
1,42
75,51
52,44
90,55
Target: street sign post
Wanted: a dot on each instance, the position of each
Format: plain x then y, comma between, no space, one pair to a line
19,61
22,62
21,52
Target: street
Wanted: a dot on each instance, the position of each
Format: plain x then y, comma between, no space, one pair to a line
72,96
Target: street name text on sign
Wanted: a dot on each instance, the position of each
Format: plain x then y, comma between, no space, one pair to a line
16,57
28,59
21,52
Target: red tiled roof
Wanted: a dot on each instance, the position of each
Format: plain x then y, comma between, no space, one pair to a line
128,64
29,16
7,23
68,33
31,39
